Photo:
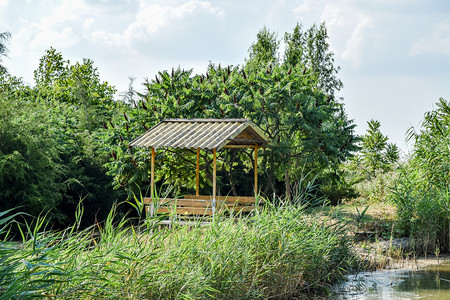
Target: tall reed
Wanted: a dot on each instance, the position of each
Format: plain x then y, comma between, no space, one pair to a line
423,212
277,252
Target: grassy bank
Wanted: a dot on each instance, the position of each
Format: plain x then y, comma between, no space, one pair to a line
278,252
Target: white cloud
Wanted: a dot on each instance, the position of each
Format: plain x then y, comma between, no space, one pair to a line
438,42
87,24
351,26
58,39
348,26
3,16
110,39
354,46
152,19
309,6
57,28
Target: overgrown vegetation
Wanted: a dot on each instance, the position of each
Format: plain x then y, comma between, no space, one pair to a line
65,140
50,149
373,170
422,193
291,100
278,252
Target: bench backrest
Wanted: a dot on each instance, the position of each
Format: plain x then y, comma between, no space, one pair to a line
203,205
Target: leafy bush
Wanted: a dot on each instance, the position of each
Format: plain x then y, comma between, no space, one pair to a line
30,164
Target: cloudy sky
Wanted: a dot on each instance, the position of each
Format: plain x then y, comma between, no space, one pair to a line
394,54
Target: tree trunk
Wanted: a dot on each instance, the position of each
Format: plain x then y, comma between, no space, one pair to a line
271,175
288,184
233,186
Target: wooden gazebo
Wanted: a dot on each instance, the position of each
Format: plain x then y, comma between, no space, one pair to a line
205,134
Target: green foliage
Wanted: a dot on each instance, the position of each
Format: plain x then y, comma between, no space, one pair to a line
30,165
310,49
4,36
376,154
77,84
432,146
372,169
422,193
308,127
423,213
264,51
279,251
50,150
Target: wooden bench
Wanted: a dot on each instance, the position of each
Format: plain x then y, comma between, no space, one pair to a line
191,205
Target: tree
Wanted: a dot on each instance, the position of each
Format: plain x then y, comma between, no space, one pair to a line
80,103
307,53
264,51
78,84
310,131
30,164
311,50
376,153
4,36
129,96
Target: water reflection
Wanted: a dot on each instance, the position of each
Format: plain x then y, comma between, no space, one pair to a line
428,283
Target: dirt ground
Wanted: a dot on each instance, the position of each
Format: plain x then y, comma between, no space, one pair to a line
376,242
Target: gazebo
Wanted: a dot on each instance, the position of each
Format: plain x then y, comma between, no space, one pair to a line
202,134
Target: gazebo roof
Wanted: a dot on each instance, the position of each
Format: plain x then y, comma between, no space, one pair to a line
202,133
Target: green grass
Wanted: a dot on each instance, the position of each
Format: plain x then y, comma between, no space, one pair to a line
423,213
278,252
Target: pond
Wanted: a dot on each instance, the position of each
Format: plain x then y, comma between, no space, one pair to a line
432,282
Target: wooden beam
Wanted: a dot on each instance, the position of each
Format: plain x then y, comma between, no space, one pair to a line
197,186
256,170
239,146
152,182
214,181
248,141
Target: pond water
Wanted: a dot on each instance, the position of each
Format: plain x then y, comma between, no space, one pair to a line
432,282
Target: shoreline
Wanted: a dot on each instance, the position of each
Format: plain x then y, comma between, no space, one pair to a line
418,263
375,258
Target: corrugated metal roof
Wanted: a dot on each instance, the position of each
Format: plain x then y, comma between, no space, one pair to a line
201,133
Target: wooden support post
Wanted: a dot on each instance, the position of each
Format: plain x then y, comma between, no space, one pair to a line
256,170
214,182
152,182
197,186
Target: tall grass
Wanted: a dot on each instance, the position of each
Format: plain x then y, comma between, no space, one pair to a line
423,212
277,252
422,194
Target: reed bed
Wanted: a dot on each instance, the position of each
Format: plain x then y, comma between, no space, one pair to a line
275,253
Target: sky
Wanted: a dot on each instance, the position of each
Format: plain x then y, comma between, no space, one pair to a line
394,55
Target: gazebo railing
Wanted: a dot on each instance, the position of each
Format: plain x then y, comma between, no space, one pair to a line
201,205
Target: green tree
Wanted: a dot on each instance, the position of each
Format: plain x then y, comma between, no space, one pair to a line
376,153
52,70
30,165
311,50
4,36
78,84
310,131
307,53
81,102
264,51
